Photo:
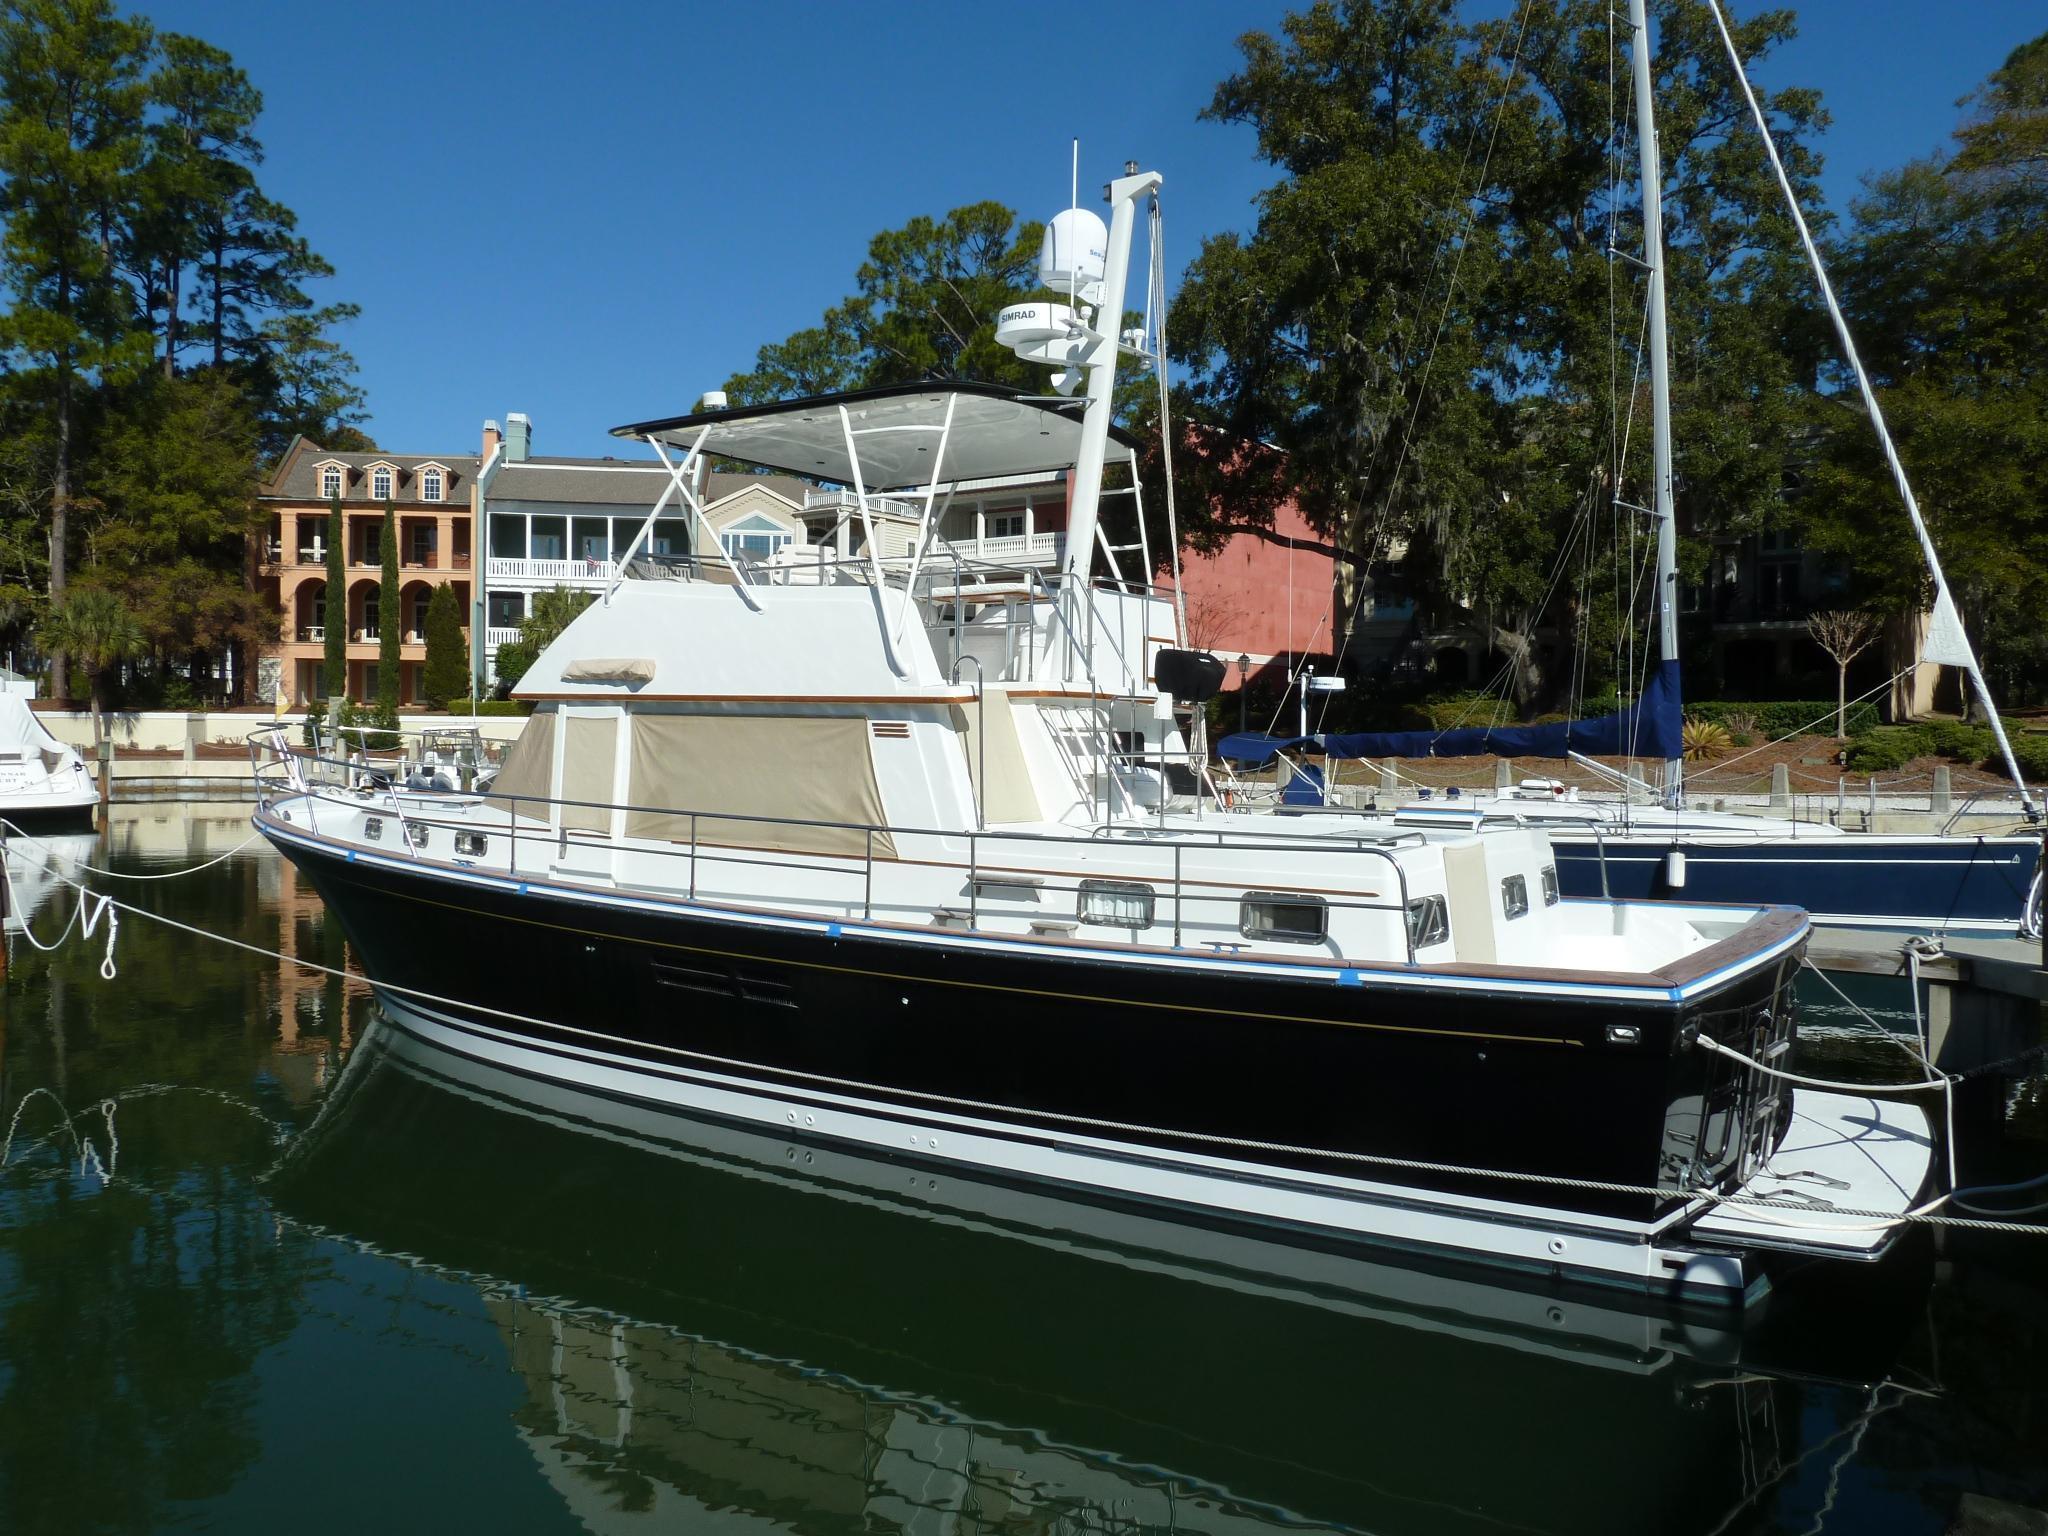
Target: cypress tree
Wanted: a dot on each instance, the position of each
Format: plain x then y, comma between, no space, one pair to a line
390,624
447,673
337,603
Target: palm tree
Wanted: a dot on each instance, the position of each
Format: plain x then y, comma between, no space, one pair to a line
95,629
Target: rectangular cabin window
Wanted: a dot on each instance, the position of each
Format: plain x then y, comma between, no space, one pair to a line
471,845
1514,896
1429,922
1116,904
1284,919
1550,897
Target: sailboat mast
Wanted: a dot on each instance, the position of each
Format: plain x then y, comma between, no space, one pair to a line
1661,506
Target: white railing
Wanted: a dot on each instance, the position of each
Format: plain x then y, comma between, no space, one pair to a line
500,636
595,573
1015,546
846,501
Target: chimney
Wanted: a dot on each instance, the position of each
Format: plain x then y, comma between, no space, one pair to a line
518,437
492,437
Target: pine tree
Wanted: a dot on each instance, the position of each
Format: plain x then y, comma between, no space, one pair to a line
390,623
72,96
337,602
447,671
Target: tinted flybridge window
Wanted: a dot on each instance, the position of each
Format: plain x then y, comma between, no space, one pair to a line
1116,904
1429,922
1550,885
1514,896
1284,919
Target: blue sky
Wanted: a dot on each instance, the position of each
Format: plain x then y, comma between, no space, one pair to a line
594,212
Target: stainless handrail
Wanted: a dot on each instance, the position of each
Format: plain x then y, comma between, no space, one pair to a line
1141,833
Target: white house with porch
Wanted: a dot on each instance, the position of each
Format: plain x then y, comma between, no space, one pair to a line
566,522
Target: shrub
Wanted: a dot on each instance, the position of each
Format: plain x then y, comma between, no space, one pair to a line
1784,717
2030,751
503,707
1704,739
1888,747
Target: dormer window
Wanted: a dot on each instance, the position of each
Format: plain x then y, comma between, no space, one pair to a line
330,482
430,485
380,483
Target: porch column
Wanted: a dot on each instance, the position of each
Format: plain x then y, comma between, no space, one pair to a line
287,538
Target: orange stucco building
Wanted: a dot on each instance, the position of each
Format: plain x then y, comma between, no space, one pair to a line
433,499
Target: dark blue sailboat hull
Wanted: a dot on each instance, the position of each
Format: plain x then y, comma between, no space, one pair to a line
1963,885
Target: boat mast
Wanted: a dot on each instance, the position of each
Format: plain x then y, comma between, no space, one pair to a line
1661,508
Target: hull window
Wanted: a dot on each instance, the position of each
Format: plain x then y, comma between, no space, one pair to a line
1116,904
1550,885
1428,922
1514,896
1284,919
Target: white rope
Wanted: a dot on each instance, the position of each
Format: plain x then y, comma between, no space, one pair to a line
12,830
86,914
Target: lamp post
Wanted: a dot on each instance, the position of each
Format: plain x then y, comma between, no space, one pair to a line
1244,667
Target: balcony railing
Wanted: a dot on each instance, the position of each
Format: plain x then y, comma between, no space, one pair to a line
495,637
846,501
594,573
1027,547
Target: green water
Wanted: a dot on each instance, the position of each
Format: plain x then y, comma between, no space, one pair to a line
272,1270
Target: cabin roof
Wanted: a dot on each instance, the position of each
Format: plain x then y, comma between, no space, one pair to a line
996,430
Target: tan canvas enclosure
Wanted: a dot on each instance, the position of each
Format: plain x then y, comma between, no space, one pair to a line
1008,795
590,751
743,766
530,765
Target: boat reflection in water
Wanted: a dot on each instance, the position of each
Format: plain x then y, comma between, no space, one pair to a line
829,1342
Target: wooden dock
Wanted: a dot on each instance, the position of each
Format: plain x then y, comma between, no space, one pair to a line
1982,997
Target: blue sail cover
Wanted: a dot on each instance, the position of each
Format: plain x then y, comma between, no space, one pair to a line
1652,727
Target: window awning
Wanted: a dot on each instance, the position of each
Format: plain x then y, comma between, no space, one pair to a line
996,431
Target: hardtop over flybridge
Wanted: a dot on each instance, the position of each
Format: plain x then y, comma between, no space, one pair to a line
885,850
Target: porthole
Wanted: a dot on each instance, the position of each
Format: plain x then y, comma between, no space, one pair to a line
1514,896
1284,919
1116,904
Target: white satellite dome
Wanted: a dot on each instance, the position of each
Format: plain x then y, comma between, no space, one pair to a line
1075,254
1027,326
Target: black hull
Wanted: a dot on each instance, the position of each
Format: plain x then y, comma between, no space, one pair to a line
1044,1044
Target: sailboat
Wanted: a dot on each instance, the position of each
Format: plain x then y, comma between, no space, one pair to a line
1978,885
